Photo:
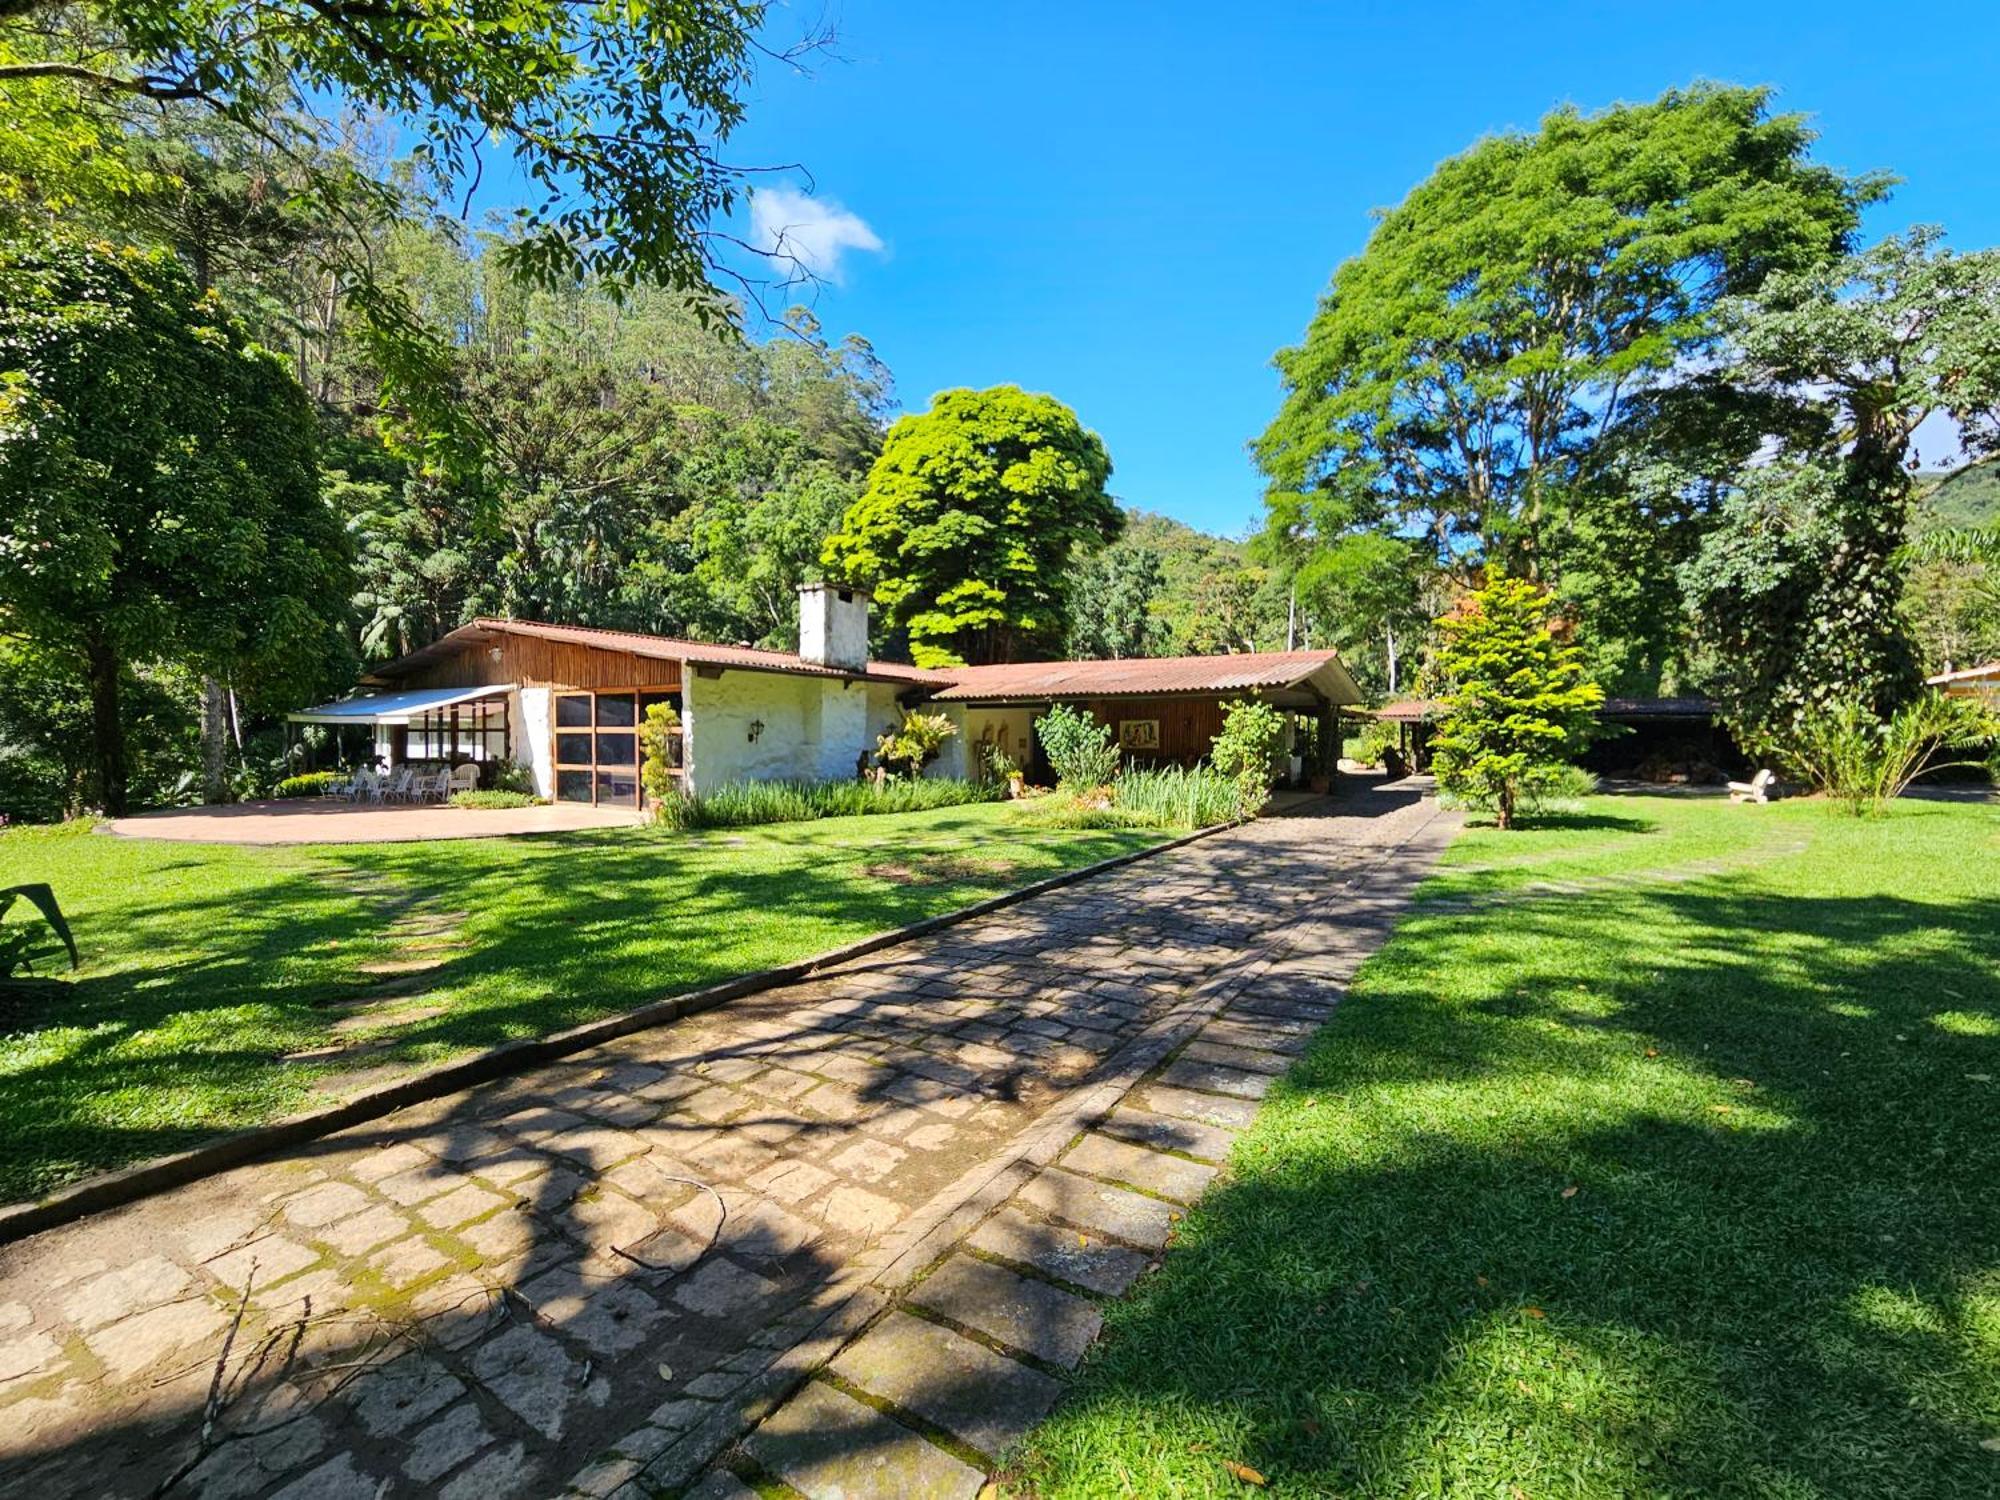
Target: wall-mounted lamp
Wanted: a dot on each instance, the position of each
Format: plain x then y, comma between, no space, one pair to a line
756,730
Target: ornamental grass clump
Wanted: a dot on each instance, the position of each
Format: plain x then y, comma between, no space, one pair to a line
746,804
1175,797
1865,762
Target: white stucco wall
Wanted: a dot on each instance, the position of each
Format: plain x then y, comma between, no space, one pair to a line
1010,728
534,746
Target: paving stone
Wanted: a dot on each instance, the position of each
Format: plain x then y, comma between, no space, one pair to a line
595,1147
529,1372
980,1397
858,1211
1031,1316
604,1314
1167,1133
714,1104
463,1203
539,1123
1249,1059
402,1393
1207,1109
149,1337
1080,1258
509,1166
604,1477
829,1446
407,1262
322,1205
386,1161
337,1479
720,1484
118,1294
419,1183
442,1445
248,1465
1115,1211
866,1160
505,1471
27,1354
1262,1033
359,1233
1188,1073
789,1181
1154,1171
720,1288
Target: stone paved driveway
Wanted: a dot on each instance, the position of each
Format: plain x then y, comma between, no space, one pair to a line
594,1275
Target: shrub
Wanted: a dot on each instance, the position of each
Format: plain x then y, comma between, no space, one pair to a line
658,733
1866,762
1374,742
747,803
1173,797
511,776
491,801
1247,752
310,784
913,744
1078,747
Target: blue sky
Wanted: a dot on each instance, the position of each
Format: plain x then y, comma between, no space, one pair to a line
1132,206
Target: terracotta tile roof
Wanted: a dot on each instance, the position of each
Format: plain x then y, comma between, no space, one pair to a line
1242,672
1407,710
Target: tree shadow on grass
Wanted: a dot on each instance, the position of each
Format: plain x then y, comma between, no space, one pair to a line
1689,1191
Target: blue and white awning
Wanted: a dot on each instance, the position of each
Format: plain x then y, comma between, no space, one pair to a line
395,708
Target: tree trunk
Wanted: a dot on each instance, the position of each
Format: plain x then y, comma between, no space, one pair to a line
1503,808
214,742
107,730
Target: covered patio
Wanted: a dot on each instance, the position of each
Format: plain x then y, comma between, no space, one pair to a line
423,729
322,820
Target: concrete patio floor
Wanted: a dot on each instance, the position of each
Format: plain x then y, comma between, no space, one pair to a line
321,820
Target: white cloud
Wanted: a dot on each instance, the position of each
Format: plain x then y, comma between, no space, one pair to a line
807,234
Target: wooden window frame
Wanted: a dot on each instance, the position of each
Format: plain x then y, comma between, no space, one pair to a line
593,729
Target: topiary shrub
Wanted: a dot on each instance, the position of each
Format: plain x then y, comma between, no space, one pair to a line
491,801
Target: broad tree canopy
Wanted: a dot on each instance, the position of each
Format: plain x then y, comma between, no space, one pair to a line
972,512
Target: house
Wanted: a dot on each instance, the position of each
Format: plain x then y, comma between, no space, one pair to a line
565,702
1981,683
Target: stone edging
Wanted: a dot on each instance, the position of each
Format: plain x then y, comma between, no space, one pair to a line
871,1283
129,1184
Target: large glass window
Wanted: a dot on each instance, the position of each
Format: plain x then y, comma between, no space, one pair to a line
597,746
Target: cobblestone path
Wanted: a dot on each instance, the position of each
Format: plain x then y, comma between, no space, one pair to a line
593,1276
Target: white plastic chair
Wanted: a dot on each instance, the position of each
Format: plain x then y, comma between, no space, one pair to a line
463,778
1756,789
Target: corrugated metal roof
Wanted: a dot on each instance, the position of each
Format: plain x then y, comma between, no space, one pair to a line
1138,676
656,647
393,708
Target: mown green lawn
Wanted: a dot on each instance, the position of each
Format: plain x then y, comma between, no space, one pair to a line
204,965
1657,1154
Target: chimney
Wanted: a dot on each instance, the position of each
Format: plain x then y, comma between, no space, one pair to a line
833,626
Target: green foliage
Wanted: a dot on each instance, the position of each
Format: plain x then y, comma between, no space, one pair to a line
1866,762
1249,751
493,800
914,743
745,804
1796,595
1181,797
1517,701
614,113
970,520
307,784
21,944
512,776
1112,592
148,526
1461,368
659,739
1079,748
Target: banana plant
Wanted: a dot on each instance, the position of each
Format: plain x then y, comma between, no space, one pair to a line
21,943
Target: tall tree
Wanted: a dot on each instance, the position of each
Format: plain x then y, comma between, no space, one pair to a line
1797,593
1462,369
969,522
1112,590
142,523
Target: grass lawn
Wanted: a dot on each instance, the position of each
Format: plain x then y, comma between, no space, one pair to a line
206,964
1657,1154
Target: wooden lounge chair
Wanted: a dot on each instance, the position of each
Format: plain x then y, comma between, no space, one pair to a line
1756,789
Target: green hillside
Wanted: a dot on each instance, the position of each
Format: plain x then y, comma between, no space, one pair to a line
1966,497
